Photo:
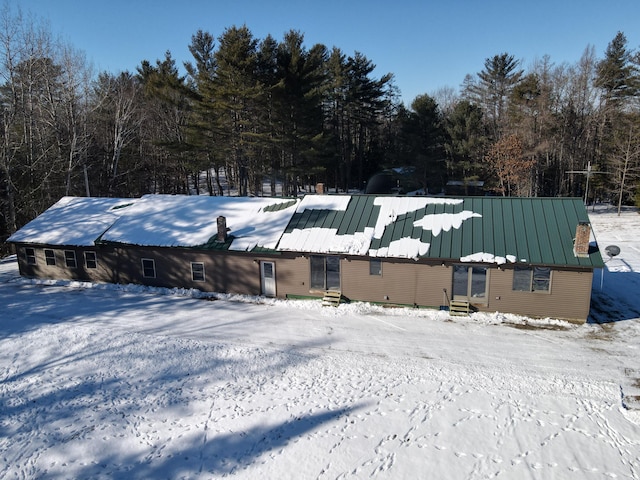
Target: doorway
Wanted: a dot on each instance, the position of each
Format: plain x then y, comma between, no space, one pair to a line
268,278
470,283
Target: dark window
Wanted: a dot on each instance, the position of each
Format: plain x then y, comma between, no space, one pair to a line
375,266
50,257
541,279
197,271
325,272
522,279
30,256
90,259
70,259
317,272
470,282
532,279
148,268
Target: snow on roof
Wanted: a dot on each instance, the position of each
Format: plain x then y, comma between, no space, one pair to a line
326,240
323,202
406,247
73,221
444,221
392,207
190,221
483,257
383,226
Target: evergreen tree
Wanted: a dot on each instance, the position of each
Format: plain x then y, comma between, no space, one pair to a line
203,121
167,102
267,144
426,134
466,142
616,76
235,93
617,79
301,76
357,104
496,82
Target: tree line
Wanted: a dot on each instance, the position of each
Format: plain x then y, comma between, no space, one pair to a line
269,113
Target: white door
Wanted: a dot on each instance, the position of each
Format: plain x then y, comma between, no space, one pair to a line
268,278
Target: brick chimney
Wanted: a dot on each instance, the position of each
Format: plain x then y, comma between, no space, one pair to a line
581,242
320,188
222,229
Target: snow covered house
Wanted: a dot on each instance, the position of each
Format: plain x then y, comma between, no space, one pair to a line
529,256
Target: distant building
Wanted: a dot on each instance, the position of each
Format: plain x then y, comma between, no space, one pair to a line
528,256
465,188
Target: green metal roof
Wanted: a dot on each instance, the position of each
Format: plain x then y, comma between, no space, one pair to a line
523,230
359,214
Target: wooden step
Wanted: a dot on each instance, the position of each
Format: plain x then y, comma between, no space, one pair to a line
459,307
332,298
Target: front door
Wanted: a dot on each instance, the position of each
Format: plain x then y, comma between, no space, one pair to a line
268,278
470,283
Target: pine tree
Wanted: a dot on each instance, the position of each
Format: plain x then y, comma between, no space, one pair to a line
496,82
298,111
427,137
466,142
616,75
167,102
234,98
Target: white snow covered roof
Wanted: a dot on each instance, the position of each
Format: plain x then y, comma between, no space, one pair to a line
73,221
191,221
470,229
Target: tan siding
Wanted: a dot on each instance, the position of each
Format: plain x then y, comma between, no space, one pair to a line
225,273
568,299
60,270
406,283
402,282
292,276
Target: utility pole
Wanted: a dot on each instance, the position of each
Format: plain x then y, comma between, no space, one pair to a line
588,172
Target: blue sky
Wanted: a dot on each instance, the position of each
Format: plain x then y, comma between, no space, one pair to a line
426,44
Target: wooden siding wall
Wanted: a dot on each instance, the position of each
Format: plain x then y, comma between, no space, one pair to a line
402,283
569,296
224,273
293,276
102,273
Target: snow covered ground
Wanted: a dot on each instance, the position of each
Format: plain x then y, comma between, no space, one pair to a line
102,381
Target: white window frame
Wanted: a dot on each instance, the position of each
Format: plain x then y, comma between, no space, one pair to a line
30,256
70,259
94,261
195,273
50,257
152,267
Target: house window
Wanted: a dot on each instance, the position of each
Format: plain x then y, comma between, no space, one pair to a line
325,272
197,271
532,279
148,268
90,259
375,266
30,256
70,259
470,282
50,257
